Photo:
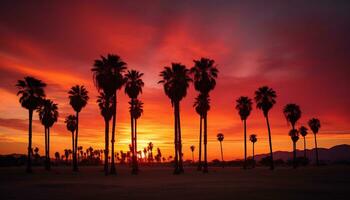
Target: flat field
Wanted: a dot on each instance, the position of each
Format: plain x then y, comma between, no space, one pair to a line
326,182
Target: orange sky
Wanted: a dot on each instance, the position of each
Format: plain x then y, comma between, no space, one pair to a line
303,55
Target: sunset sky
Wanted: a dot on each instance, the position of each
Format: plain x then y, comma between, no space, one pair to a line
300,49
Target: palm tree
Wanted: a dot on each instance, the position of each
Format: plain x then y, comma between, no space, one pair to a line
204,73
253,139
71,125
294,135
78,97
48,115
192,147
303,132
315,125
31,92
105,103
108,77
202,106
220,137
176,80
136,112
292,113
150,149
133,87
244,107
265,98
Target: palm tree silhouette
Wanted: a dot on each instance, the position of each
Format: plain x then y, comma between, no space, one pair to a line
31,92
192,147
294,135
303,132
204,75
136,110
244,107
220,137
78,97
265,98
292,113
133,87
202,106
176,80
105,103
48,115
315,125
150,153
253,139
71,125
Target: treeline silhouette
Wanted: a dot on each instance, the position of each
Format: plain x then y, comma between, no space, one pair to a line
110,75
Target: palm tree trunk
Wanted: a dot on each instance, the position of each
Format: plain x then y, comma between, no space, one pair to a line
179,136
73,148
270,142
106,145
200,144
48,149
205,170
304,148
317,162
135,142
245,144
113,171
29,161
294,155
133,171
75,163
176,159
45,147
222,154
192,157
253,156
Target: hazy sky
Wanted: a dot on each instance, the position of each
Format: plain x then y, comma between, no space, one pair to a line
300,48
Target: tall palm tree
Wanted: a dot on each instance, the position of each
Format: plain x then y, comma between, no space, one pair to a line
220,137
136,110
315,125
78,98
31,92
244,107
176,80
202,106
71,125
253,139
294,135
133,87
205,74
292,113
48,115
105,103
192,147
265,99
303,132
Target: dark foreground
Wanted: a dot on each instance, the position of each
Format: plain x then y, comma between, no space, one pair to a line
327,182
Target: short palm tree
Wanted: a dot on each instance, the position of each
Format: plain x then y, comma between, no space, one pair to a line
192,147
292,113
176,80
78,97
253,139
105,103
48,115
202,106
244,107
136,110
315,126
205,73
133,87
71,125
265,99
294,135
31,92
303,132
220,138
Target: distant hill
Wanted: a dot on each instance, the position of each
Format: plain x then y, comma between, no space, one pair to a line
337,153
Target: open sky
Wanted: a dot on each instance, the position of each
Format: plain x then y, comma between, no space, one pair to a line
299,48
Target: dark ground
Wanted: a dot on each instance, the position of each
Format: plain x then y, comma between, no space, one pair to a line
326,182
